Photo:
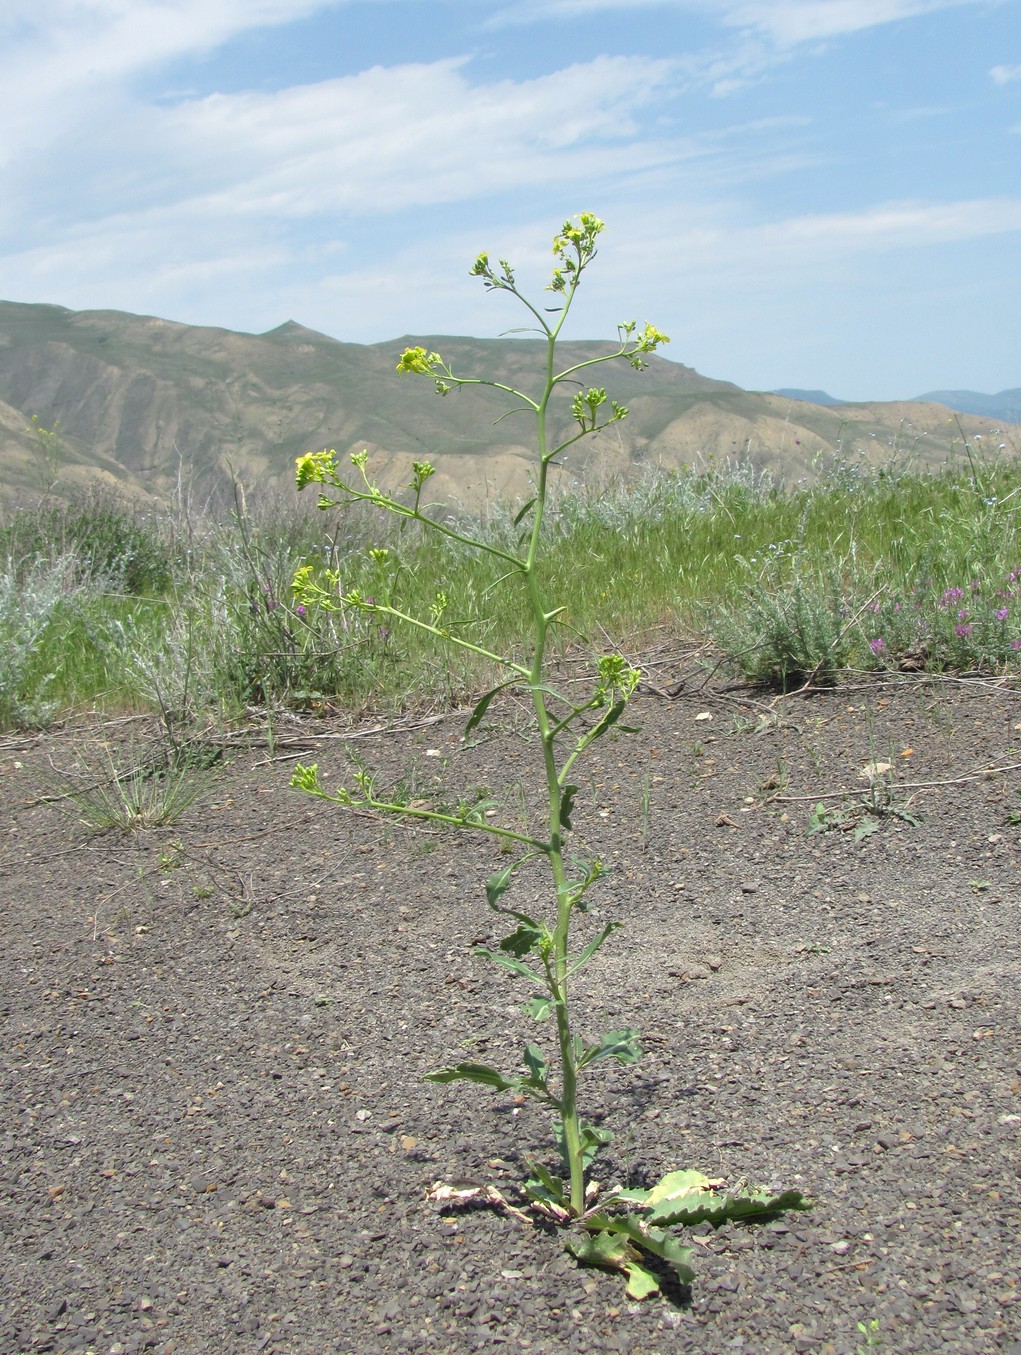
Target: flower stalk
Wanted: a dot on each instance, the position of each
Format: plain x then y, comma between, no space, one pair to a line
537,950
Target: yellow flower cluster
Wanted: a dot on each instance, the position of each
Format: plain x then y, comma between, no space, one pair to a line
315,467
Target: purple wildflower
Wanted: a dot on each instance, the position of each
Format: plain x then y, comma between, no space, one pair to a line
877,645
962,632
1016,644
300,609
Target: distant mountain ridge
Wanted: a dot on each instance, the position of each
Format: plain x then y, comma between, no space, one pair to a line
1005,407
809,397
144,403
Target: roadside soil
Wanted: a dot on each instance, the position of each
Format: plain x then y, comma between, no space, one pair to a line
215,1136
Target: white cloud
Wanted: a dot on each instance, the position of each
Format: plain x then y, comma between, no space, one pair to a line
394,137
799,242
171,196
66,61
900,225
788,22
382,140
75,41
389,138
348,204
784,22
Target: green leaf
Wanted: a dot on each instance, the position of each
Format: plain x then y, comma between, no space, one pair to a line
677,1183
818,821
593,1141
509,962
591,948
616,1242
535,1062
607,721
603,1248
544,1186
567,796
579,888
621,1045
498,884
654,1240
472,1072
522,512
482,706
538,1008
641,1283
521,941
687,1197
866,827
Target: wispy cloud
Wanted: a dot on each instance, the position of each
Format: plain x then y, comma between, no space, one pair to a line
799,241
784,22
169,196
352,203
394,137
384,139
789,22
78,41
68,61
901,225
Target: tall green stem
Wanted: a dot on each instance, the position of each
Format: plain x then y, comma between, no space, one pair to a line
574,249
557,972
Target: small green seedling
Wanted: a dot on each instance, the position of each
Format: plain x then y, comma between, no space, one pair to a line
625,1231
870,1331
863,815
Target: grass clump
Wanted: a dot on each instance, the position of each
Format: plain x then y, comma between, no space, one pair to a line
790,634
31,598
147,793
120,547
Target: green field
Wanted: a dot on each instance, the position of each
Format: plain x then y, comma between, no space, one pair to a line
104,607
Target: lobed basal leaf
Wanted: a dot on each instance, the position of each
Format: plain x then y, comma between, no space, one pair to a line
689,1197
618,1241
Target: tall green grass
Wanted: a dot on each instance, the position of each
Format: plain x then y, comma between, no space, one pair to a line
104,607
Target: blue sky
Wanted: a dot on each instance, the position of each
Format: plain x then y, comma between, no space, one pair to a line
813,193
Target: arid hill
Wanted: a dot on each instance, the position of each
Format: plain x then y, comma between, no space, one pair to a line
145,404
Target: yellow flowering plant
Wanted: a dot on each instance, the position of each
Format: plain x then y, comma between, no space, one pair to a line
618,1230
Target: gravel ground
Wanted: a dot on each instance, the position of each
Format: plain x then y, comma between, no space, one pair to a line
215,1136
